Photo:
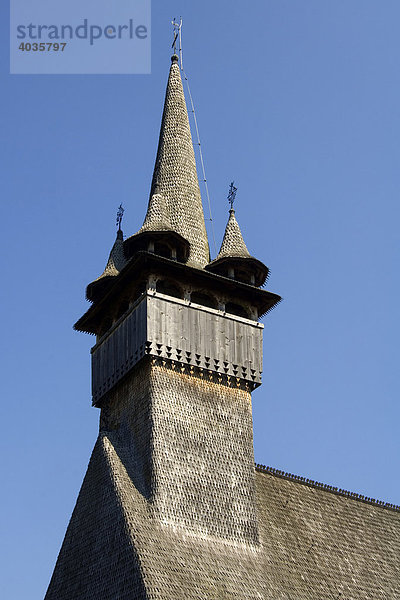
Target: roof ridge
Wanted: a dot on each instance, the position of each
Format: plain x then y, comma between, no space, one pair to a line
326,487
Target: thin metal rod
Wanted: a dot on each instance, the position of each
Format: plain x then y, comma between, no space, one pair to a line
180,43
198,138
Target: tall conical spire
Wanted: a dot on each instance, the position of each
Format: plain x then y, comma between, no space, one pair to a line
175,176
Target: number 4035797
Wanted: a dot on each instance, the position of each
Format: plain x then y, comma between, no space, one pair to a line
42,46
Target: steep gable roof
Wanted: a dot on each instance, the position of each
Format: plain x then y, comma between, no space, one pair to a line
315,544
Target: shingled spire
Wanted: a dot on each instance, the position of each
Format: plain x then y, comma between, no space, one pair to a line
157,218
171,507
175,175
234,260
115,264
233,242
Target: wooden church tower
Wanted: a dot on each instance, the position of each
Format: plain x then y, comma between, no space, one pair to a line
178,351
172,506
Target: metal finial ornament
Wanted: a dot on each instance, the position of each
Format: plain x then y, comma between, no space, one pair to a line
232,194
177,33
120,214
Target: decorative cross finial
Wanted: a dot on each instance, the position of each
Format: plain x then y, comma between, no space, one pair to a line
177,33
232,194
120,214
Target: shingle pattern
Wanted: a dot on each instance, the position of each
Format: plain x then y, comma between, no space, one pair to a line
183,430
116,260
157,218
175,176
123,543
328,488
233,242
172,507
319,545
314,545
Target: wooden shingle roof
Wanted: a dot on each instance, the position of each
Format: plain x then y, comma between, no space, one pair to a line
315,544
175,176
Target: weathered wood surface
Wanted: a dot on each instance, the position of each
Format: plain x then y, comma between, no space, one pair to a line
180,331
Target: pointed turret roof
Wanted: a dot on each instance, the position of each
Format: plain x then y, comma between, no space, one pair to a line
115,264
116,260
233,242
234,257
175,175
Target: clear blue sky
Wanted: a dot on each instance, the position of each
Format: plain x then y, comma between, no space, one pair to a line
298,102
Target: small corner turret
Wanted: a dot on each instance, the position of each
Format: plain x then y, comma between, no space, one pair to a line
234,260
116,262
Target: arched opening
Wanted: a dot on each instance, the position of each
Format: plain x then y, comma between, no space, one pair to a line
204,299
236,309
170,289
